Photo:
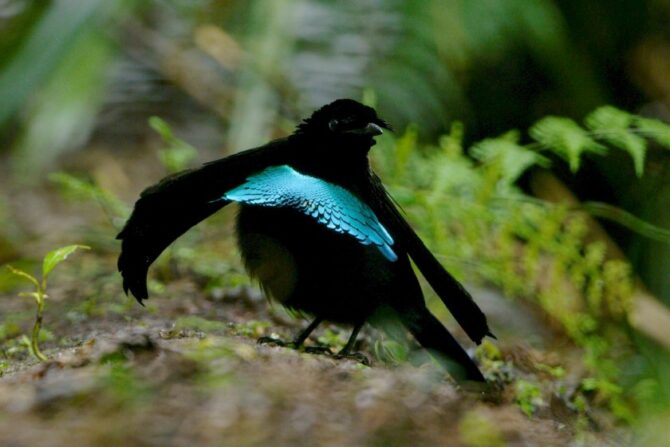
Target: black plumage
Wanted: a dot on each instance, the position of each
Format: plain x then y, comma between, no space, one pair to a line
300,262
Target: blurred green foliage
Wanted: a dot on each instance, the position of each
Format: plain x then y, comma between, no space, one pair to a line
478,430
78,188
56,78
529,397
485,228
64,59
177,155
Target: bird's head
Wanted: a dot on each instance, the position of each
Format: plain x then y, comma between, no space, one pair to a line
344,120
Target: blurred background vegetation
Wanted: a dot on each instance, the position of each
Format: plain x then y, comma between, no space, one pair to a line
79,80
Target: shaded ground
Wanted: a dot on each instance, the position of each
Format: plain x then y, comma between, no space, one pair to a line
140,390
186,370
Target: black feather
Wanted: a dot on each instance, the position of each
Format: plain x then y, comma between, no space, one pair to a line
451,292
168,209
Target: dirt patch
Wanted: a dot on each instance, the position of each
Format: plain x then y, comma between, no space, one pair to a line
138,389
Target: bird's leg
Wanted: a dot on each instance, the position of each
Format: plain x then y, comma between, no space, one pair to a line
300,339
297,341
352,340
302,336
346,353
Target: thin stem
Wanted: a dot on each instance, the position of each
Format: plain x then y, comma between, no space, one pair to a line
34,342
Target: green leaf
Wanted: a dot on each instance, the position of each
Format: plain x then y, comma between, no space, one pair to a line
566,138
80,188
25,341
178,154
48,41
162,128
35,295
177,158
55,257
613,126
655,130
25,275
513,158
528,397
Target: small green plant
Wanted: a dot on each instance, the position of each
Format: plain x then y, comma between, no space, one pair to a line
178,154
80,188
331,338
252,328
528,397
50,261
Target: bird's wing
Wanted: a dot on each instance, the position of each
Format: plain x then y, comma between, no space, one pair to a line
167,209
451,292
330,205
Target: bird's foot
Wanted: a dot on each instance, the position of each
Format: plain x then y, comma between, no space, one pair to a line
355,356
273,341
322,350
319,350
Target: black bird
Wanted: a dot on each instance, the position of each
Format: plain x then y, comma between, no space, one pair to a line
316,228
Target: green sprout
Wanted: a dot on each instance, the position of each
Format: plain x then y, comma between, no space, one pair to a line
528,397
50,261
178,154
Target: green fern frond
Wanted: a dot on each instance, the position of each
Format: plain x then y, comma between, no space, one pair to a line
613,126
513,159
655,130
566,138
480,224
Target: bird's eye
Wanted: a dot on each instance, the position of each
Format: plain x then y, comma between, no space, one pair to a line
332,125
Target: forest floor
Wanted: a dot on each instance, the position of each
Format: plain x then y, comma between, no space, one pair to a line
186,369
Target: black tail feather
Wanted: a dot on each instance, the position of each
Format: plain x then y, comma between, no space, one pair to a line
459,302
432,335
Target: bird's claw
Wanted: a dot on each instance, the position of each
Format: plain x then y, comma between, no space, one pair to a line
294,345
355,356
320,350
272,341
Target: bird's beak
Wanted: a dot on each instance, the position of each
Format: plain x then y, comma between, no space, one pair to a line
371,129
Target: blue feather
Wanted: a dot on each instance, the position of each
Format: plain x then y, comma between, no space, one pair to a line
330,205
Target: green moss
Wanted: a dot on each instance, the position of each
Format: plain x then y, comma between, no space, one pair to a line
9,329
528,397
4,366
252,328
332,339
477,430
192,322
121,383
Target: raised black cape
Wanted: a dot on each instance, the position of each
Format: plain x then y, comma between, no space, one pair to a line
168,209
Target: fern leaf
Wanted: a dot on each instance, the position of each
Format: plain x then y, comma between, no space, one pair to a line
613,126
513,158
566,138
655,130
